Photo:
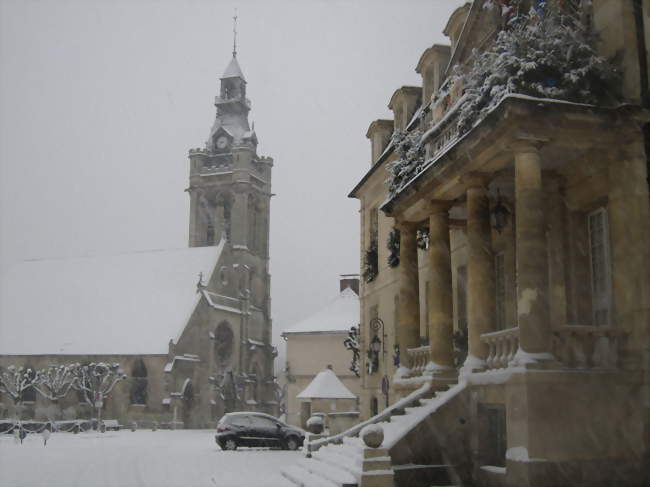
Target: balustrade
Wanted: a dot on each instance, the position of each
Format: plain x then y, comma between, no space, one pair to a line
419,357
587,347
502,347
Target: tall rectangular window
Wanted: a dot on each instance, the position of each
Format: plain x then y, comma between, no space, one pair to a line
500,291
600,266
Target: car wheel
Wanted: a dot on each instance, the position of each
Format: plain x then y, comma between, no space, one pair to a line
292,443
230,444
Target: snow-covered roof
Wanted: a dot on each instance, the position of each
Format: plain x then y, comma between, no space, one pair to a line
233,70
131,303
340,314
326,386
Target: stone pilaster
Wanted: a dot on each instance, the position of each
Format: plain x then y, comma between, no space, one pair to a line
441,324
409,299
532,258
480,271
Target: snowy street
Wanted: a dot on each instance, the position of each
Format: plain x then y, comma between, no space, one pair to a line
187,458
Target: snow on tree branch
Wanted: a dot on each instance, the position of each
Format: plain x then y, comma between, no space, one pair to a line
55,381
15,381
96,380
544,53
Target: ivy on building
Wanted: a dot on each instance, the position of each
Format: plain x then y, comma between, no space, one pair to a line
371,262
393,247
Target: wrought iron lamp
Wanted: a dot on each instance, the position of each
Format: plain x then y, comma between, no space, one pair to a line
500,214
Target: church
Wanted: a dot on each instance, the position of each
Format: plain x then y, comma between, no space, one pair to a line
191,327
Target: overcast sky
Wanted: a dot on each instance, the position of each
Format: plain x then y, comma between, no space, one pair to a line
101,100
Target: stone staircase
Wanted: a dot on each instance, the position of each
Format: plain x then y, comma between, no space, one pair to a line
408,456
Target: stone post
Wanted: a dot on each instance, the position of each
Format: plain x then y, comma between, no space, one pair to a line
532,262
441,321
480,272
409,298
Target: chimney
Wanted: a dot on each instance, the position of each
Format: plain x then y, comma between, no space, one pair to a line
351,281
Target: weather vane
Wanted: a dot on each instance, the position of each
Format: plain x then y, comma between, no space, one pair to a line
234,32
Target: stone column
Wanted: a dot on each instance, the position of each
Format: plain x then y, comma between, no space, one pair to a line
629,214
532,261
480,272
409,299
441,320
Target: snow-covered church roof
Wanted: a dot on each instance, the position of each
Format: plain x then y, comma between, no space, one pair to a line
340,314
131,303
326,385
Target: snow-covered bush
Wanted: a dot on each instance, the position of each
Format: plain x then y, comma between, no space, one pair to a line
371,262
410,152
393,246
544,53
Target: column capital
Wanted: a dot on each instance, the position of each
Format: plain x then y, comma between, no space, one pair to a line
434,207
406,226
476,179
527,144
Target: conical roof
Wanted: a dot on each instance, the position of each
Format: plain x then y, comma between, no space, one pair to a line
233,70
326,385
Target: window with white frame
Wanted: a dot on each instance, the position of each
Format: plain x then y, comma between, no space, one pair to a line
600,266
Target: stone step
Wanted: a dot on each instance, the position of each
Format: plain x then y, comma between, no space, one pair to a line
335,474
338,458
303,478
422,475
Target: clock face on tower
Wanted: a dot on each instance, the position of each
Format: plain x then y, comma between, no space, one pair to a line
222,142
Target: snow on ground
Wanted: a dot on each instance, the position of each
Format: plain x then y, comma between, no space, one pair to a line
187,458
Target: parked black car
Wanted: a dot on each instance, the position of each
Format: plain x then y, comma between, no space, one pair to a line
256,429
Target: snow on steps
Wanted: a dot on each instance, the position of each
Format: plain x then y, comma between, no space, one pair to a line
340,465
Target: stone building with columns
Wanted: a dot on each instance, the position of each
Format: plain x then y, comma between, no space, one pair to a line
191,327
524,262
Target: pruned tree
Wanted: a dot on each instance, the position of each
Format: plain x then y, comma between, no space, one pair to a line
15,382
55,381
95,381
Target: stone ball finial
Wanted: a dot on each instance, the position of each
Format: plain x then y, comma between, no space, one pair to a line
372,435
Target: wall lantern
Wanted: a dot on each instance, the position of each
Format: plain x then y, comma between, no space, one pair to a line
376,345
500,214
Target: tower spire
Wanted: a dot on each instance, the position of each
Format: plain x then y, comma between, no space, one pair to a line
234,35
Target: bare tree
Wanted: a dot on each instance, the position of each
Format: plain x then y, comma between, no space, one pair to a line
55,381
96,381
15,382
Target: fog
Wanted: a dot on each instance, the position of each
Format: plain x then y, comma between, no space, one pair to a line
100,102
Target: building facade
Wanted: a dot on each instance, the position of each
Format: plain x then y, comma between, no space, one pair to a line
190,328
318,342
523,267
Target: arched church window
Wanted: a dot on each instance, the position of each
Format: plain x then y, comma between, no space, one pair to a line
139,383
223,343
